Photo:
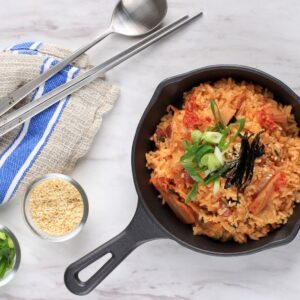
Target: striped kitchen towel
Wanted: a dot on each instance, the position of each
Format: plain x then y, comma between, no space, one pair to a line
55,139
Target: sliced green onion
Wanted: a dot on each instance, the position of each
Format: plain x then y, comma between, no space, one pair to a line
2,236
216,174
213,104
222,145
219,155
10,243
189,154
7,253
212,137
211,161
192,193
207,172
191,169
216,113
186,145
196,136
241,125
216,187
204,160
190,150
204,149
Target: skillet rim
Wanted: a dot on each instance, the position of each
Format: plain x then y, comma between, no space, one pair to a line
175,79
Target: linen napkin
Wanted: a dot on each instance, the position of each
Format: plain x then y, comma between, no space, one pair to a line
55,139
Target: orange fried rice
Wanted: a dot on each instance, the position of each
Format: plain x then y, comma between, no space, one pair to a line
268,201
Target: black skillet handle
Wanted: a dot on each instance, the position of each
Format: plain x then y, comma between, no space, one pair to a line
140,230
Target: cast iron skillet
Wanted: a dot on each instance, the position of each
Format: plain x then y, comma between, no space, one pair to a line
153,220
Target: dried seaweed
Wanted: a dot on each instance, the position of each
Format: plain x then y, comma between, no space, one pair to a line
241,174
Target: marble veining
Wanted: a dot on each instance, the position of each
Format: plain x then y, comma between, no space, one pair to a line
256,33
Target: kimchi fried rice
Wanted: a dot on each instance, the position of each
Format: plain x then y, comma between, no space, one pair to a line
228,161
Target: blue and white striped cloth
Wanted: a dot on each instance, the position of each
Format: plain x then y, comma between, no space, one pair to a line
23,151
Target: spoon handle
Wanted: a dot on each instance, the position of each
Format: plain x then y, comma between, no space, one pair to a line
10,100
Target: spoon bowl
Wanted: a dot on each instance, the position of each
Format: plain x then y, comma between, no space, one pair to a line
138,17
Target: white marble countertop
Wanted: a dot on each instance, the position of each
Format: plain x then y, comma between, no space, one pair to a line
263,34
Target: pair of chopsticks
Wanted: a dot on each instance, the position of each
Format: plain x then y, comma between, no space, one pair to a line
18,117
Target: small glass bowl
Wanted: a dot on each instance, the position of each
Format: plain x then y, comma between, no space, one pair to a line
30,221
11,274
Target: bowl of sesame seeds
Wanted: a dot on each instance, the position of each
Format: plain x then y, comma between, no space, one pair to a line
55,207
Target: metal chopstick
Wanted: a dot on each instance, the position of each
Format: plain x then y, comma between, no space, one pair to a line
14,119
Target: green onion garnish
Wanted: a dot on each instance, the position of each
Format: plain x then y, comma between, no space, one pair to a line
7,253
196,136
193,193
216,187
241,125
217,115
212,137
191,169
203,159
210,161
202,150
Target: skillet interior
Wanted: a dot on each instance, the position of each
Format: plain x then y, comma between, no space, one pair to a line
170,91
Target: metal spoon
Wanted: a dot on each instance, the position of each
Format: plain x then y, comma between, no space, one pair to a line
130,18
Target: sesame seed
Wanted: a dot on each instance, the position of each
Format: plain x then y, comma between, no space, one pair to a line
56,206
